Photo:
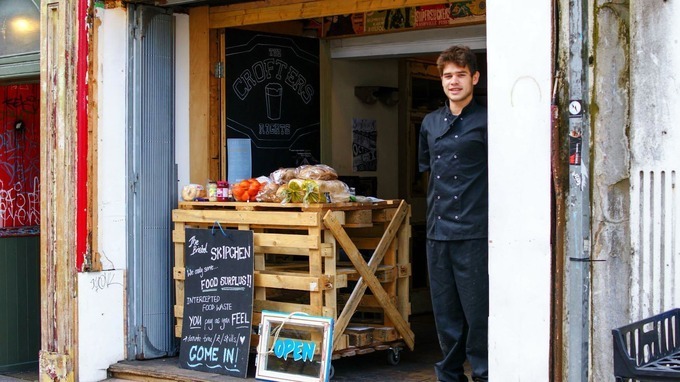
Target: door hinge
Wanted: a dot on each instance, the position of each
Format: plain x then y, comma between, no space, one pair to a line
219,70
134,182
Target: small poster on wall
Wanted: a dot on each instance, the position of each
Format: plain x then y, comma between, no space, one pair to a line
364,137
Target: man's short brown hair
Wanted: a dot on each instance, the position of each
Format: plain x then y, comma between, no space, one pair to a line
460,55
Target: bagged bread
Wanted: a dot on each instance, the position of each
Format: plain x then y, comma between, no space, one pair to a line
282,175
192,191
337,189
316,172
268,193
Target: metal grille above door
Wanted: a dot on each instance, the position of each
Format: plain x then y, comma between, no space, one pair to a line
153,182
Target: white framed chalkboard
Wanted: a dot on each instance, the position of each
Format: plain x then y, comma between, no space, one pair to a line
218,301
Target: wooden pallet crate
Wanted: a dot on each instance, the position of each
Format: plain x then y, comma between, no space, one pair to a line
315,259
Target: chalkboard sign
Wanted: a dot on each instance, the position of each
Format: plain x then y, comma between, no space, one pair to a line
272,102
218,301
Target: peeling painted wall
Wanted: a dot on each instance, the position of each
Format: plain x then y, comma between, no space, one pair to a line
655,162
101,295
635,93
610,182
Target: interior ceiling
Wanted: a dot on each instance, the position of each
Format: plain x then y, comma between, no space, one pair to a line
204,2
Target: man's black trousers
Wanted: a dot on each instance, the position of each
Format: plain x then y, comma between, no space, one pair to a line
459,286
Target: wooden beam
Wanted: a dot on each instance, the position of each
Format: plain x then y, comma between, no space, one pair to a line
58,141
269,11
367,272
199,94
214,121
93,172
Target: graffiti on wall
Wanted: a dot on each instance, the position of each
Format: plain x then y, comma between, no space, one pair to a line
19,156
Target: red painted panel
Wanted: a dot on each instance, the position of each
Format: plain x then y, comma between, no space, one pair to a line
19,155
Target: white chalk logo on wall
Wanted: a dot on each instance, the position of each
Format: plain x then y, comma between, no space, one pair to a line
364,137
272,101
273,93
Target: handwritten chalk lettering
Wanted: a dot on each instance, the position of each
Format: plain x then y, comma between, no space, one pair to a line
230,253
209,268
195,322
266,69
191,338
212,313
204,354
210,283
217,339
202,299
196,247
230,355
225,306
274,129
230,338
208,324
244,280
301,350
240,318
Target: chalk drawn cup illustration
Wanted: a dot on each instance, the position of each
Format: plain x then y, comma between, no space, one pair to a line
273,93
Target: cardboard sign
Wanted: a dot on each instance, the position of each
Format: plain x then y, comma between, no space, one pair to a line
218,301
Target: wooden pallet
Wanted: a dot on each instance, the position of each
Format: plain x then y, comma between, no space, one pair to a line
297,253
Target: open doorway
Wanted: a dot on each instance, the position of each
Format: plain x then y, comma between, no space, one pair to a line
415,81
19,228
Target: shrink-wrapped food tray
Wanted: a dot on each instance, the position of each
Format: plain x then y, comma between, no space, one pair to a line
349,261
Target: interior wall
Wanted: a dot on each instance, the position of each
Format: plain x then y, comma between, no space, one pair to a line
346,74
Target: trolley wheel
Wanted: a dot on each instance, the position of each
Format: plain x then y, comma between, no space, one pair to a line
394,356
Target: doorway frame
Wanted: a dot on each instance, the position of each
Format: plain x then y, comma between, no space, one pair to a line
519,146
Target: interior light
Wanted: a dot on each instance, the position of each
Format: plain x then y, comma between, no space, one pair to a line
22,25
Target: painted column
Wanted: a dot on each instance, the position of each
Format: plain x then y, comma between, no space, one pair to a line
58,68
519,64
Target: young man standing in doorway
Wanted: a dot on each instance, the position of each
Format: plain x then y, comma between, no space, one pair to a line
453,148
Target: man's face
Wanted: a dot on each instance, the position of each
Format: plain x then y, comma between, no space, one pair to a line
458,83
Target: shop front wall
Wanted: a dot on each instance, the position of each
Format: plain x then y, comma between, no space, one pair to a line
509,81
101,302
519,189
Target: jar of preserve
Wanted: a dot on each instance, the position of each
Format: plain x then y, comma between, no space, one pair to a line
223,191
